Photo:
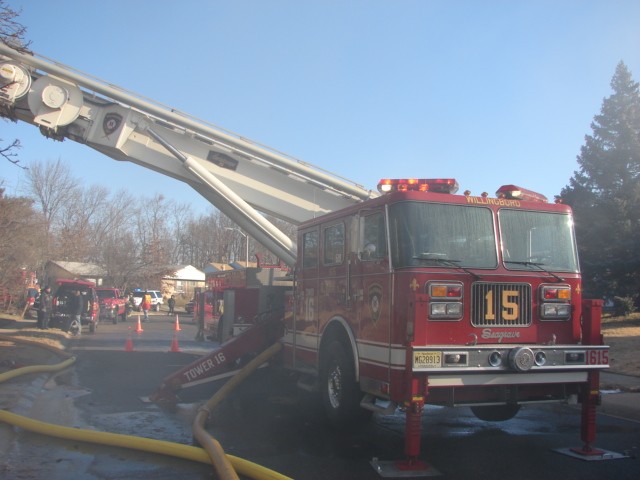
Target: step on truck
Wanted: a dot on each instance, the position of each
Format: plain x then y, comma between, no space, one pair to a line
407,295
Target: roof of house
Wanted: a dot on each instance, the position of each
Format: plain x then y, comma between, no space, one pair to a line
219,267
81,269
186,273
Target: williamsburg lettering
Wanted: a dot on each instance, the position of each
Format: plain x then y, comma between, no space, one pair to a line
489,334
501,202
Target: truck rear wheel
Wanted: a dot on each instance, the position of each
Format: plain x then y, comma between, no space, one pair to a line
340,392
495,413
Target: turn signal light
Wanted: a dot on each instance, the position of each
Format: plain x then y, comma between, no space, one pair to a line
445,290
562,293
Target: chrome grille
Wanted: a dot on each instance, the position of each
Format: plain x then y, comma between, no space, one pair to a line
501,305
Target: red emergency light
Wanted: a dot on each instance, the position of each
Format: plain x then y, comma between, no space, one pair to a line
436,185
517,193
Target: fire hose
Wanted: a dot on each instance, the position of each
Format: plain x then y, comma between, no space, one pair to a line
227,466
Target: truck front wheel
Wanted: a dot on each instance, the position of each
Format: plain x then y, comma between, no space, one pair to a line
340,392
495,413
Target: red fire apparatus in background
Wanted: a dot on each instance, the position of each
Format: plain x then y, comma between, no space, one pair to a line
401,297
233,300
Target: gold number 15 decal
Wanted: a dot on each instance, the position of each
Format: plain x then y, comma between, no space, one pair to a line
509,305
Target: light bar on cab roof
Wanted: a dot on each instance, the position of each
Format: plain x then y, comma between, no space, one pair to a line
435,185
517,193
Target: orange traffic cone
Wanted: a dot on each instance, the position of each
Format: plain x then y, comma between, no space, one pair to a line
174,344
128,346
177,325
139,326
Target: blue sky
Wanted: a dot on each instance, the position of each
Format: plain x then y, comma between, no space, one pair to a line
488,92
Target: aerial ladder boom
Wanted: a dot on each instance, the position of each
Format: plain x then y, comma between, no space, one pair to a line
243,179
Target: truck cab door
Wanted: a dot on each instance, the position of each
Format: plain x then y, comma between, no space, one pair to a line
371,287
301,328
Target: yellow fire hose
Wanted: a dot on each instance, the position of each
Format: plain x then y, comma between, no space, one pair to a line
211,445
44,346
227,466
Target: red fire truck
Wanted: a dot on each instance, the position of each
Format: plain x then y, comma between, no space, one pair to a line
459,299
408,295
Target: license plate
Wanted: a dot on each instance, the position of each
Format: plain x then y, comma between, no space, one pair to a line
427,359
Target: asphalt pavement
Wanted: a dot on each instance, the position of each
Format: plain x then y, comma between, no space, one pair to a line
620,392
620,395
271,429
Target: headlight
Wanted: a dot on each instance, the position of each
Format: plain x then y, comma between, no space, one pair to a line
556,310
449,310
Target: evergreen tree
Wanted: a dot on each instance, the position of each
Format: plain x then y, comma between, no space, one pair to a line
605,193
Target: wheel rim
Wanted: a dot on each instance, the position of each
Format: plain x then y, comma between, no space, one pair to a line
334,386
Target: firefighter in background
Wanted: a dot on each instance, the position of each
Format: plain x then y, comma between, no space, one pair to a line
44,308
145,305
76,307
129,305
199,311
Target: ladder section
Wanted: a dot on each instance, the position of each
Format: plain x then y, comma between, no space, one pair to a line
240,177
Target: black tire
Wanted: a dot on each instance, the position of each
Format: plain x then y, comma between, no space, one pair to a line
495,413
340,392
115,318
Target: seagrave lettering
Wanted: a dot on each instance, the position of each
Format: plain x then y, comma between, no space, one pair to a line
487,333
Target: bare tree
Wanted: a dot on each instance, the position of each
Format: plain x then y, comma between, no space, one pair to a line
20,236
154,239
9,153
11,33
116,245
52,187
78,221
178,217
118,258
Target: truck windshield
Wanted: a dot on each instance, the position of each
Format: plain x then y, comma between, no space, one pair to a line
537,240
442,235
106,293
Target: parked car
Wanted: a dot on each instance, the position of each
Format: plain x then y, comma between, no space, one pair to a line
61,316
188,307
156,299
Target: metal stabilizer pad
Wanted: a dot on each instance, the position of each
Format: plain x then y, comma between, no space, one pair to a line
592,455
399,469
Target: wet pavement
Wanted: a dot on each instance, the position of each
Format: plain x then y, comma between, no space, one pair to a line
268,421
